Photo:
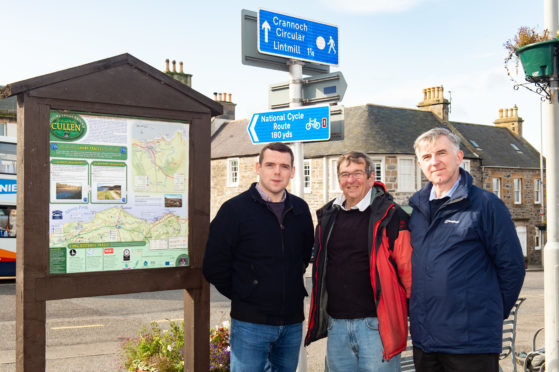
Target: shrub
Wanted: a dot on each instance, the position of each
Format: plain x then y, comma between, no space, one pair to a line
157,350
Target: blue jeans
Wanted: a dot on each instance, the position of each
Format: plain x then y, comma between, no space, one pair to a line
355,345
262,347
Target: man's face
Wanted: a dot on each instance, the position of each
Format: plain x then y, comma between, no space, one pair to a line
275,172
354,182
440,163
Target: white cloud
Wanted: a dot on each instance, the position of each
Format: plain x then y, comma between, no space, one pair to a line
371,6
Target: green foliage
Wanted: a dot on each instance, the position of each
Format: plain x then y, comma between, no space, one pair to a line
155,350
524,36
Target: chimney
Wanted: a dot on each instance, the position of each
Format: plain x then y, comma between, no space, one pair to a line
186,79
508,118
434,101
228,106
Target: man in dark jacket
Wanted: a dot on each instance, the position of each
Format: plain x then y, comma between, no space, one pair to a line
467,262
259,246
361,273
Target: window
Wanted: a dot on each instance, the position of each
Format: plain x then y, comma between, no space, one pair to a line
538,191
333,182
307,175
379,170
406,174
521,232
537,240
233,172
465,164
497,186
517,191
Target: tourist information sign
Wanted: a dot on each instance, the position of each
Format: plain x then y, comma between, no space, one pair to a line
296,125
292,37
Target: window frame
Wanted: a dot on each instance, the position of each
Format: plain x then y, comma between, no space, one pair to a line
307,166
498,179
517,190
411,183
231,182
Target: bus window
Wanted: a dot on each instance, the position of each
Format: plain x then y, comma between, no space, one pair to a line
7,222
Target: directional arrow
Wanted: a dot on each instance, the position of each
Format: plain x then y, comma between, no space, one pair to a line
251,126
266,27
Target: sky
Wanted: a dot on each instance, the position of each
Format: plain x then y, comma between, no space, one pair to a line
389,51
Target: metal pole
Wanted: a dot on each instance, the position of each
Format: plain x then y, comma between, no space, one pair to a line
297,186
551,250
296,100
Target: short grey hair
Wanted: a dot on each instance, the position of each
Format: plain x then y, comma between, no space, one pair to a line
358,158
431,137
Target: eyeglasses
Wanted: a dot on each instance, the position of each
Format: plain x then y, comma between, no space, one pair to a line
356,175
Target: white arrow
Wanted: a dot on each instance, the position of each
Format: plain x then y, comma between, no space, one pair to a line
266,27
251,126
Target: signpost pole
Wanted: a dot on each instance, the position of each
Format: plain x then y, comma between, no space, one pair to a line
296,100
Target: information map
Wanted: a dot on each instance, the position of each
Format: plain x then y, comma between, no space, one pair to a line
118,193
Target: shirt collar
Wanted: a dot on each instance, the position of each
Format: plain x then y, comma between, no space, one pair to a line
267,197
362,205
450,192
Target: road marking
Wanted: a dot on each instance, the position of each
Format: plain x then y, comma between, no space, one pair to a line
81,326
167,320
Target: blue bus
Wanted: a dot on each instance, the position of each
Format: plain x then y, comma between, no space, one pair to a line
8,189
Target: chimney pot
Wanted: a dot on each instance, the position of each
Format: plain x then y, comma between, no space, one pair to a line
180,67
215,96
219,97
174,66
229,97
167,65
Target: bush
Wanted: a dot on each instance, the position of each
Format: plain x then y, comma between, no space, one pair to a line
157,350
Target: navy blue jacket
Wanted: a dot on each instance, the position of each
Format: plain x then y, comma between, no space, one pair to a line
259,261
467,271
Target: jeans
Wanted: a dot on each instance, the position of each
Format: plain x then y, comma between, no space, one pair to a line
262,347
355,345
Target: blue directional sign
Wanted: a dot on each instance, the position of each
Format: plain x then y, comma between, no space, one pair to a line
296,125
286,36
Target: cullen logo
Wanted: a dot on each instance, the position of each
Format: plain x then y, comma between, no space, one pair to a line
451,221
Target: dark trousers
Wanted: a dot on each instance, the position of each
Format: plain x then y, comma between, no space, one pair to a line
443,362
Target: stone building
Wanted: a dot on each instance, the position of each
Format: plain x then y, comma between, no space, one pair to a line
497,156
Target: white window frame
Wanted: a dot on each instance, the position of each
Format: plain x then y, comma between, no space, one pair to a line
378,163
537,243
407,185
333,184
232,174
538,191
517,187
465,165
496,186
307,183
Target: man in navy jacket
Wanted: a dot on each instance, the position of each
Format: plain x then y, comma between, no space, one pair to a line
467,264
259,246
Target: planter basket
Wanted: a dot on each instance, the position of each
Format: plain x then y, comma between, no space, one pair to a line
537,60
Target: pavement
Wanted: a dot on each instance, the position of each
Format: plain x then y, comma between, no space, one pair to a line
101,356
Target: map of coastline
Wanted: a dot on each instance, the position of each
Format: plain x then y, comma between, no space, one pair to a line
117,225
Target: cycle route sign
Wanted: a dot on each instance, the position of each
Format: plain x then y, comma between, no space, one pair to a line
295,125
292,37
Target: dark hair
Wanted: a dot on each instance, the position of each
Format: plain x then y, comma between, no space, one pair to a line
356,157
275,146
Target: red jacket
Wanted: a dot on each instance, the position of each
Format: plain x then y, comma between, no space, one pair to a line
390,269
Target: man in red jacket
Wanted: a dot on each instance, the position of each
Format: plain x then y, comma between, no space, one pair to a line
361,273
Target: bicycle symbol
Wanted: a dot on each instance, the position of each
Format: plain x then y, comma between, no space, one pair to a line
312,123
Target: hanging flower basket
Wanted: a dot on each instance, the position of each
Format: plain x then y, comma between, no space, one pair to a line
537,60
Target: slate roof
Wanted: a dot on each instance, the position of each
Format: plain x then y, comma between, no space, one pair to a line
232,139
495,146
8,105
